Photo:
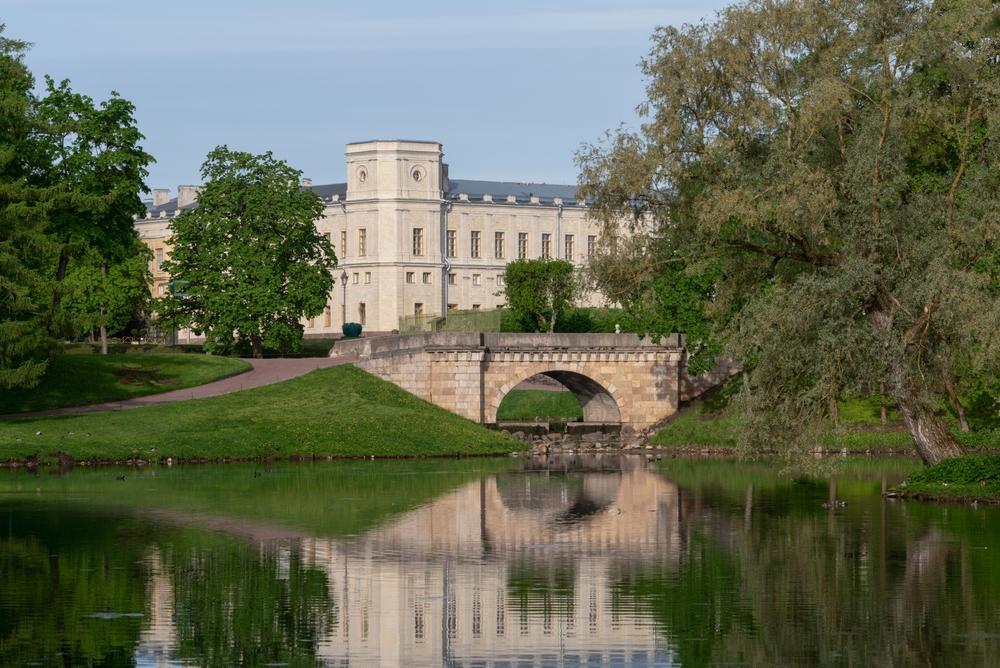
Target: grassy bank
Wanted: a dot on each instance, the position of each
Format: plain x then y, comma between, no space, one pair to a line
968,478
859,429
336,412
523,405
79,378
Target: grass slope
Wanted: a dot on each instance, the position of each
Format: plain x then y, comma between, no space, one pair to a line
521,405
340,411
961,478
79,378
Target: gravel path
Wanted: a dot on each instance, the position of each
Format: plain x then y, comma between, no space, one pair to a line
263,372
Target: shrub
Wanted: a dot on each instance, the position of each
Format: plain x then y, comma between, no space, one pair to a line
352,329
967,470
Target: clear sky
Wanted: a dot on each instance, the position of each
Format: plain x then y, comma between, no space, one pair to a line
511,89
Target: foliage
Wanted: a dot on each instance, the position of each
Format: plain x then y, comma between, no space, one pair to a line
339,412
539,291
249,256
351,329
966,477
107,297
81,379
833,164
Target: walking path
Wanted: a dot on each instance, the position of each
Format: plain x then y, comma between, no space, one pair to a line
262,372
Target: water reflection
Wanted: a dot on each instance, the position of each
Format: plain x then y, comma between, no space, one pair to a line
582,561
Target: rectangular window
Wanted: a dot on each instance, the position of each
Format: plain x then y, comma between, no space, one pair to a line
477,279
427,278
451,278
498,245
522,245
418,241
327,317
591,244
354,278
499,279
312,323
159,259
452,307
568,249
362,315
451,250
343,244
474,243
409,277
546,246
475,307
418,309
362,242
368,277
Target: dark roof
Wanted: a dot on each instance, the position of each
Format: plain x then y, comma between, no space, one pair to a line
500,190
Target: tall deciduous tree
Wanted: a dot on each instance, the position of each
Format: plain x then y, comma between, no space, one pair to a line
248,263
836,161
538,291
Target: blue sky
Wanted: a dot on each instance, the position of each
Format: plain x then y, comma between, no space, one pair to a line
511,89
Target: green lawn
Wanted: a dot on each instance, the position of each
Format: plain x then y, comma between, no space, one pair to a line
340,411
961,478
526,405
703,424
78,378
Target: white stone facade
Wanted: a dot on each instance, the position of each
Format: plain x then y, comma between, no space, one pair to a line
411,241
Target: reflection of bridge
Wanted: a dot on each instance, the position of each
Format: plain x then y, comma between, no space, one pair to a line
500,569
615,377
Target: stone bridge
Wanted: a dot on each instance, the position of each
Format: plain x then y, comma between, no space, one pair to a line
617,378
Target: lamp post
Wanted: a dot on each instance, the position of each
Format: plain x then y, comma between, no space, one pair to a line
343,303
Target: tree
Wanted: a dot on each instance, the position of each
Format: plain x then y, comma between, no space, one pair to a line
538,291
249,258
24,248
835,160
106,297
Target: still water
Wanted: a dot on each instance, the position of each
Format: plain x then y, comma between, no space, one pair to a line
575,561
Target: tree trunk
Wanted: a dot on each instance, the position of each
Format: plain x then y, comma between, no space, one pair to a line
883,412
930,434
257,346
834,411
104,316
956,403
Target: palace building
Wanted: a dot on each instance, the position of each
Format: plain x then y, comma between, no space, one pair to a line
410,240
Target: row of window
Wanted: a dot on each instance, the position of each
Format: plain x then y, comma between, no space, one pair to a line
475,244
426,278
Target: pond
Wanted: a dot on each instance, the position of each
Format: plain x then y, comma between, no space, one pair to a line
584,560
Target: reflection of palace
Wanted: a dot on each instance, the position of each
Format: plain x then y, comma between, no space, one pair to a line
506,566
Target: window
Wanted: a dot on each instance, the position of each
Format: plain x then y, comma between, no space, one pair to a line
451,278
368,277
477,279
159,289
498,245
159,258
418,309
591,244
427,278
475,307
452,307
568,254
522,245
499,279
354,278
418,241
450,250
475,243
546,246
362,242
327,317
343,243
362,315
409,277
312,323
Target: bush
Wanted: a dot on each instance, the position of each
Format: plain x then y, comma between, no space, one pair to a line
967,470
352,330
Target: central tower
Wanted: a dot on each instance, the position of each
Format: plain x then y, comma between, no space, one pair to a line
394,169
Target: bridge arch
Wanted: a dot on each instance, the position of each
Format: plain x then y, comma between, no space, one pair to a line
597,400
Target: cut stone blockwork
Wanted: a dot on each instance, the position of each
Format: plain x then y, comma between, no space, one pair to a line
618,378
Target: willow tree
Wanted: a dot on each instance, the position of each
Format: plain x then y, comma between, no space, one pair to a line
835,161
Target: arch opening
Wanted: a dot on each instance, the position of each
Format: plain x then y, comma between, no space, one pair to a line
530,399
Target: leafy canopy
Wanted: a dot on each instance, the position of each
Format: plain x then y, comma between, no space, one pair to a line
539,291
248,263
834,161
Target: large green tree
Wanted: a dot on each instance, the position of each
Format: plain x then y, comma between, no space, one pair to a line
538,291
248,263
836,161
